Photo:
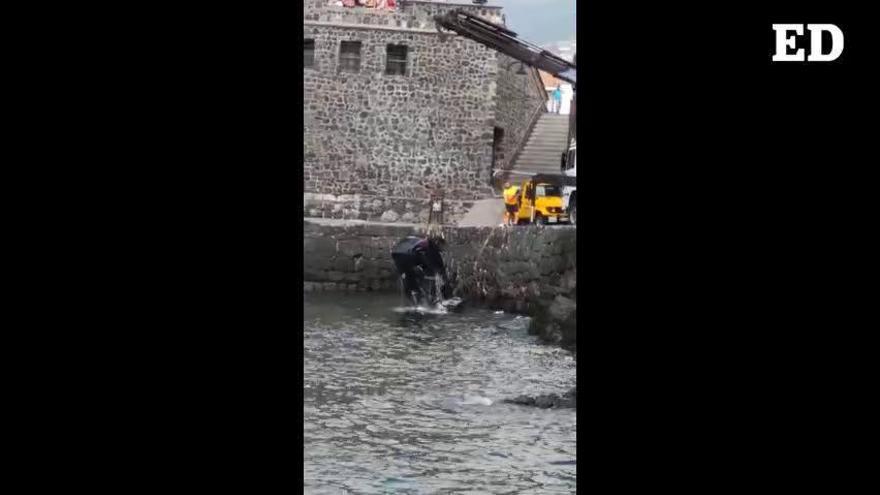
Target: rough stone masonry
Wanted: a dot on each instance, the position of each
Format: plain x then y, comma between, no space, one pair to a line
377,144
531,270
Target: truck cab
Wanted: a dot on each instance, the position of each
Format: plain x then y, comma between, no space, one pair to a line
569,192
541,200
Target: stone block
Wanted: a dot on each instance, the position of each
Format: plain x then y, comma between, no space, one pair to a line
390,216
549,265
344,264
352,247
359,263
318,261
312,274
318,245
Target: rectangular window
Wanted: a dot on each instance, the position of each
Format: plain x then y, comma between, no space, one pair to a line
350,56
309,53
396,60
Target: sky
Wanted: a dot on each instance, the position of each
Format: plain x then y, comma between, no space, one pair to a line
540,21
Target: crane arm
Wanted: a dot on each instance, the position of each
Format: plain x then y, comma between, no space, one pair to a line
503,40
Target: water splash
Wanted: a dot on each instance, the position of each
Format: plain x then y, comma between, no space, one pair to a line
476,400
425,310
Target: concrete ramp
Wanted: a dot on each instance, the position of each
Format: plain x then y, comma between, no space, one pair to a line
484,213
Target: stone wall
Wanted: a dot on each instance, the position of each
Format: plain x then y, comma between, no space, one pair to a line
379,209
398,135
513,265
531,270
412,14
350,257
490,263
401,138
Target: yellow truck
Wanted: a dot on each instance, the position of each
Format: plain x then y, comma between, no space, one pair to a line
540,200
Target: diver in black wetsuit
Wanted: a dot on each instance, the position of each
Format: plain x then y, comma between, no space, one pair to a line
416,259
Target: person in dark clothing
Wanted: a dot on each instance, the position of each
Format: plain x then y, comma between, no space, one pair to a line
416,260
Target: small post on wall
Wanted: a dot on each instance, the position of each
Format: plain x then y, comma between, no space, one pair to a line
435,215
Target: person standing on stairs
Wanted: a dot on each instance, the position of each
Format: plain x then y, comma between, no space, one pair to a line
557,99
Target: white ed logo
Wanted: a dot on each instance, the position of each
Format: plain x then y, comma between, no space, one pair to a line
784,42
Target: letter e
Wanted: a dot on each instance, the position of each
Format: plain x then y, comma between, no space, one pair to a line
783,43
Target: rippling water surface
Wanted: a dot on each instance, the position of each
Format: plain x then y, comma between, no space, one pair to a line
408,403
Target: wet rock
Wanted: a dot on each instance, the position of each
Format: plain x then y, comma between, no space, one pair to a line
569,280
547,401
556,322
562,308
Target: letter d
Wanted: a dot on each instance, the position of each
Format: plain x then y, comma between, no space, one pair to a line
816,54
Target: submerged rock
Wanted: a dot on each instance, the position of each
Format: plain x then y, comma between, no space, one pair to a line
548,401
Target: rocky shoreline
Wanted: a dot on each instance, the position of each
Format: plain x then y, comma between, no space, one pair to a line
556,323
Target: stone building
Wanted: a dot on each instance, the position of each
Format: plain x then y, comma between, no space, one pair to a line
395,111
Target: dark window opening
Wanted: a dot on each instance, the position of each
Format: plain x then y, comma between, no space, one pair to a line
309,53
396,60
350,56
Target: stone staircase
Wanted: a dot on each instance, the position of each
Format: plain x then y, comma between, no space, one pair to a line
544,148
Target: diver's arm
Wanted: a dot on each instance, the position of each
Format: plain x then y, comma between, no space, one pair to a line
437,265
